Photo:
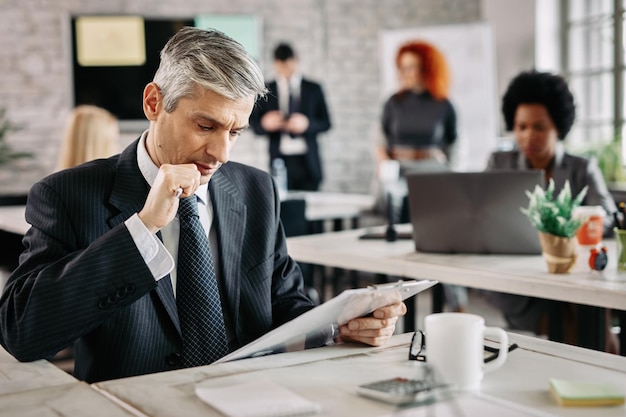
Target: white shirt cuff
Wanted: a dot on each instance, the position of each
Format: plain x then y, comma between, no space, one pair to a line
157,258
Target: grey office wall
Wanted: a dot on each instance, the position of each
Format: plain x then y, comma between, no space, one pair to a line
337,41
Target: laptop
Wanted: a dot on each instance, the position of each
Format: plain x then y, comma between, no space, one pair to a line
473,212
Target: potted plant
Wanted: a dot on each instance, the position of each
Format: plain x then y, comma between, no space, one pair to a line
7,154
608,155
553,219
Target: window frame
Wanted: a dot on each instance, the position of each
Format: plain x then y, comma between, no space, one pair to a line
584,123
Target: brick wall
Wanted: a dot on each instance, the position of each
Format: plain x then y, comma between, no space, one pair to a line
337,41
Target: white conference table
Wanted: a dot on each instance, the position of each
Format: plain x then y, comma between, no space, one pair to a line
18,376
329,376
76,399
12,219
323,205
516,274
41,389
320,206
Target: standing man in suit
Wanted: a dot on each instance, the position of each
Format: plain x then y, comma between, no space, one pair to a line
103,268
292,116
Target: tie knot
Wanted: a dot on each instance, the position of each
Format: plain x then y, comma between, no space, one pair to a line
188,207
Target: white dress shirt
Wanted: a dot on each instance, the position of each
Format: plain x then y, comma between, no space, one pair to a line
289,145
161,257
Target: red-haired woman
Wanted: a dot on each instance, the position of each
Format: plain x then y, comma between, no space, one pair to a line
419,122
419,125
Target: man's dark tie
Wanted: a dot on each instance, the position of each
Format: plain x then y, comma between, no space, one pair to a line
197,294
294,105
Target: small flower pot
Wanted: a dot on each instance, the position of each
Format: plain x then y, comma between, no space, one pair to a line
559,252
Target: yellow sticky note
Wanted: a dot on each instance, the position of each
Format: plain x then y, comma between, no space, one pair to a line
585,393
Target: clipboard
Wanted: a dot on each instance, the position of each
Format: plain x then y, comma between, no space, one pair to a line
327,317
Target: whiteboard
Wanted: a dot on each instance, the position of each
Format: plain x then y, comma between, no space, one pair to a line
469,50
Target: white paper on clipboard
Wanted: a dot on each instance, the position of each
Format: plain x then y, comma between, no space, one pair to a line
339,310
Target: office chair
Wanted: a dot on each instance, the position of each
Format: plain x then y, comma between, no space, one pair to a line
12,242
293,217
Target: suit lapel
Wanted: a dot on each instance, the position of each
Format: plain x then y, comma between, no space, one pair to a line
305,97
230,219
165,292
272,97
128,196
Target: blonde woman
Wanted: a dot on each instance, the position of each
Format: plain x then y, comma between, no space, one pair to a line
91,133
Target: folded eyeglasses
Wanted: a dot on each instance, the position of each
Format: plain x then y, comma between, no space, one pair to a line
418,348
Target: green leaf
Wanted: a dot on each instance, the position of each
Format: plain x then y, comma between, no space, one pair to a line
554,215
7,154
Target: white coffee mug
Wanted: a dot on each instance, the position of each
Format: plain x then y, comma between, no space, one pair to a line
455,348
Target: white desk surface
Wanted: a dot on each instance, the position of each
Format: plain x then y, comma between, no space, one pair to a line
329,376
41,389
322,205
71,400
319,206
25,376
12,219
517,274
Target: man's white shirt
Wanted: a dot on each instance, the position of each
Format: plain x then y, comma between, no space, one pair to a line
161,257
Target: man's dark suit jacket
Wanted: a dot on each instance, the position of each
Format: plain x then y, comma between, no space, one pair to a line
312,105
82,279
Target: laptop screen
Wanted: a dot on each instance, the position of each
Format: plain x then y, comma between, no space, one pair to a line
473,212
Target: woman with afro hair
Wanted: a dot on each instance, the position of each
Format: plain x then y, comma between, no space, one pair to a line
539,108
